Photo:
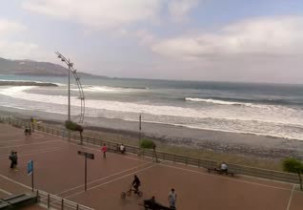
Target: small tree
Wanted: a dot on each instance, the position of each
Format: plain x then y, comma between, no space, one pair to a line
149,144
294,165
74,127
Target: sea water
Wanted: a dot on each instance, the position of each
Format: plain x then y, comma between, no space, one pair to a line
262,109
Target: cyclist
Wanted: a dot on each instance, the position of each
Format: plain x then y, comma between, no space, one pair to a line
136,184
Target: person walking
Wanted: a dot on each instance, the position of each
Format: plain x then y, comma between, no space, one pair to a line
11,158
104,150
172,198
14,160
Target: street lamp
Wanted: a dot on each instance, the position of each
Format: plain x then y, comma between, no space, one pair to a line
70,66
71,69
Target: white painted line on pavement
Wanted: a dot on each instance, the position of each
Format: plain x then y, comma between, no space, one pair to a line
290,197
103,178
5,192
122,177
231,179
15,182
21,145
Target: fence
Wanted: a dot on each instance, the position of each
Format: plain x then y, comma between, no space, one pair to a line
94,139
53,201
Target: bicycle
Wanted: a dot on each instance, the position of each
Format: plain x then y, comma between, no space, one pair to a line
129,193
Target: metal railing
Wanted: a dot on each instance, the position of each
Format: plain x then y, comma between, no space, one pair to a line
56,202
93,139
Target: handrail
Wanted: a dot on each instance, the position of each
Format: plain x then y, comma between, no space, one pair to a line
54,201
93,139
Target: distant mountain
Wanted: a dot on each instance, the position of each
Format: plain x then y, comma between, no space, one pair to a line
29,67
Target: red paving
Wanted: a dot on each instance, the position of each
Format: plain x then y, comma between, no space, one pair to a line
60,170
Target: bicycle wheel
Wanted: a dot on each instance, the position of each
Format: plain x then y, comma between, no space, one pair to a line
128,193
123,195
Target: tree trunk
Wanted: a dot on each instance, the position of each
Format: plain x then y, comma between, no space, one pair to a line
300,179
81,138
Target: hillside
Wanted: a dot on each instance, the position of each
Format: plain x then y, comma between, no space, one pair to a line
29,67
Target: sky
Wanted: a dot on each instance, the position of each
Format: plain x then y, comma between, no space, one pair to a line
205,40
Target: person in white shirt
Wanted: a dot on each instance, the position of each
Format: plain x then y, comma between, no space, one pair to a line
122,148
172,198
224,167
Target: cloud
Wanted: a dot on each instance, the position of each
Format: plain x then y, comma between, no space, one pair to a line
17,49
106,14
145,37
7,27
179,9
98,13
262,36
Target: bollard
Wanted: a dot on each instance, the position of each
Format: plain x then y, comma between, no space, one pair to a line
38,196
48,201
62,204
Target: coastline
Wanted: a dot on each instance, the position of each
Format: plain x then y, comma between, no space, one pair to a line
183,138
217,141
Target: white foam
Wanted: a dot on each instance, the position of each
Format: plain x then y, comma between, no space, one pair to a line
15,107
221,102
107,89
282,115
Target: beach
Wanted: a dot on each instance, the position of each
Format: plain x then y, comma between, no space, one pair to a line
183,138
217,141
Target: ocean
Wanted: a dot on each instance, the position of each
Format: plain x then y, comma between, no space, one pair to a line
262,109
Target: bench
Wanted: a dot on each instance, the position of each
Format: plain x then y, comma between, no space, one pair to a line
20,200
218,171
115,149
149,205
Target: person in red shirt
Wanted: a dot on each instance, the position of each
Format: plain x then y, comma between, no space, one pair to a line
104,150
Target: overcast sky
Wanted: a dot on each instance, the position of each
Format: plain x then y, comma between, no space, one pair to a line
218,40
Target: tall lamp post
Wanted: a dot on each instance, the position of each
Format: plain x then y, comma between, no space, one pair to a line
140,127
81,92
70,66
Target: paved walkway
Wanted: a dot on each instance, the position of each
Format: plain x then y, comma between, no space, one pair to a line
60,170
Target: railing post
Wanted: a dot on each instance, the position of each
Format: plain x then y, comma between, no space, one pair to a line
48,201
77,207
62,204
38,196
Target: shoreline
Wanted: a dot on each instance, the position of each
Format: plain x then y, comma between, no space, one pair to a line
217,141
247,145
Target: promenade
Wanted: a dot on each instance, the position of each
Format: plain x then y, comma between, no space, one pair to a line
59,170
